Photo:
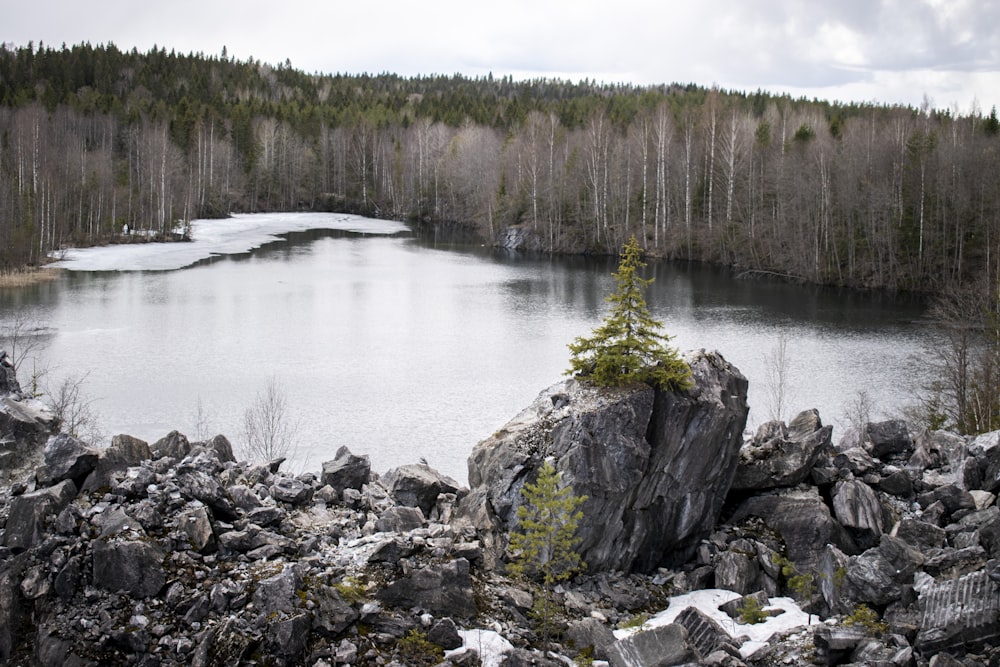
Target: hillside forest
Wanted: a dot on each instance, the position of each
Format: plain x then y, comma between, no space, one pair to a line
93,138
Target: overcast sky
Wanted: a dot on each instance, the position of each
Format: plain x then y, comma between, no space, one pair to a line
884,51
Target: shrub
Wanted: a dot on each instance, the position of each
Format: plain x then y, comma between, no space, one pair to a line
635,621
418,650
751,612
351,589
866,618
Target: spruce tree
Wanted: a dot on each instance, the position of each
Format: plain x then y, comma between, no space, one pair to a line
629,346
544,546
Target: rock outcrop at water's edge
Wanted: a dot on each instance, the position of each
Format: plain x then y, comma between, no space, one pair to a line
655,466
177,553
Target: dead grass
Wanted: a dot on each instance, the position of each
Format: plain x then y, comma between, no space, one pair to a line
27,277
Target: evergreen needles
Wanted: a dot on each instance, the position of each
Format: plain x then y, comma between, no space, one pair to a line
544,546
629,346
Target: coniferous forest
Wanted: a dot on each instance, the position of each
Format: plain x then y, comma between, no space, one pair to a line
94,138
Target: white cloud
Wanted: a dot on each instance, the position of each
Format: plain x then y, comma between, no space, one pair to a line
879,49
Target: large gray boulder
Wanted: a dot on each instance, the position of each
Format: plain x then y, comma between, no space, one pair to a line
124,453
878,576
29,513
8,377
174,444
199,485
418,485
888,438
660,647
134,567
858,509
440,589
66,458
802,519
654,465
779,456
346,471
278,593
26,421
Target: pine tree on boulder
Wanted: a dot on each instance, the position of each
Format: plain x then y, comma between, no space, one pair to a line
629,346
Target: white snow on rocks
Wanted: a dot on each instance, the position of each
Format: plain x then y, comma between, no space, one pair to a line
708,602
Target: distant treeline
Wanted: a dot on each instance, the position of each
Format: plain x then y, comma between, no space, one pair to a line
94,138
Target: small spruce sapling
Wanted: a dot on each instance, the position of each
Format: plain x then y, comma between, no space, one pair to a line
802,585
629,346
751,612
544,546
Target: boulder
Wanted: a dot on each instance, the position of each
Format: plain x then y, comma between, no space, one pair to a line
704,632
989,532
660,647
920,534
400,520
834,643
278,593
266,515
17,615
287,636
198,527
877,576
346,471
654,465
9,386
590,633
334,614
68,578
830,575
439,588
737,571
25,423
779,456
218,447
888,438
199,485
959,612
858,509
989,465
134,567
896,483
174,444
952,496
444,633
418,485
855,460
803,520
936,449
29,513
65,457
291,490
244,497
125,452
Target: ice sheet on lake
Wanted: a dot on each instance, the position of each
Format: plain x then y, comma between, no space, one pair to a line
234,235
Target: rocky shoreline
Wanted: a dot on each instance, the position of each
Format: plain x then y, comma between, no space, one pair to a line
175,552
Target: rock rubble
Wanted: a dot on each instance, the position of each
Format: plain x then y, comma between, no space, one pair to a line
176,552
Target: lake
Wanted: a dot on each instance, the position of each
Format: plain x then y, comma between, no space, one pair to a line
404,347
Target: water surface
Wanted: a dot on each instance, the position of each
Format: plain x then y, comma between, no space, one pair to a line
404,348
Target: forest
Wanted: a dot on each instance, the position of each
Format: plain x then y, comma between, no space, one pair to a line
93,138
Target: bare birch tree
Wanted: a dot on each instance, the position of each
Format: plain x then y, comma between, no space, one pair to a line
268,430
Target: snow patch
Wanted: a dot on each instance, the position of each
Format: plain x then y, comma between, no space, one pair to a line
210,238
708,602
490,645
